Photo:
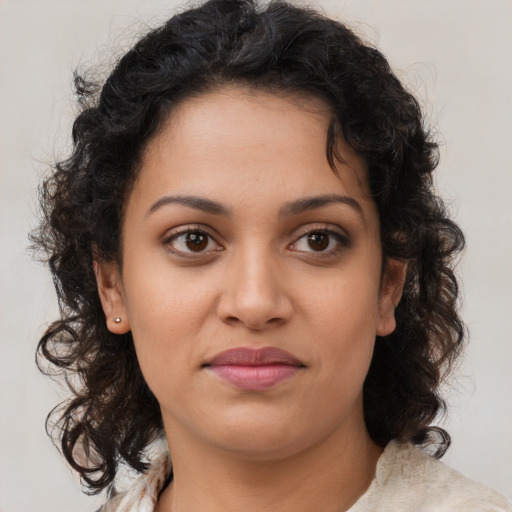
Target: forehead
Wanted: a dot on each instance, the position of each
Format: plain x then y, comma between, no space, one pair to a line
251,142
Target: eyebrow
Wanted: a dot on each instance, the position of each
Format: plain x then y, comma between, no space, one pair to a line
199,203
287,210
314,202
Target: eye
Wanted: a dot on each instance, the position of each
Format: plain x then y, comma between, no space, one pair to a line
192,241
322,241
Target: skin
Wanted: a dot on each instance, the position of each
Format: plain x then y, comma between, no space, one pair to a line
256,281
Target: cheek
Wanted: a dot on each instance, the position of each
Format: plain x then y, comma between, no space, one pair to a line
166,313
344,320
347,304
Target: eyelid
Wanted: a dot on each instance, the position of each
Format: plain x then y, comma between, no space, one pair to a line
321,227
190,228
341,236
338,233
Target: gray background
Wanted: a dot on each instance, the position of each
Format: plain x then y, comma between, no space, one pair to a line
455,54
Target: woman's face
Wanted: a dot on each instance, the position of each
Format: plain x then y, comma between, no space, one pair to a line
251,275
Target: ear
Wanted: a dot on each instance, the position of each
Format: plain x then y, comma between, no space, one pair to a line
110,289
392,287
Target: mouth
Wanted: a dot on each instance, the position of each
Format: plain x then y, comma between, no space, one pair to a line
254,369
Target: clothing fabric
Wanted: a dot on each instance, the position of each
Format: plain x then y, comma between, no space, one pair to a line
406,480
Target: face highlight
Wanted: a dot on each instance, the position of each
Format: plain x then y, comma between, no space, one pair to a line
251,276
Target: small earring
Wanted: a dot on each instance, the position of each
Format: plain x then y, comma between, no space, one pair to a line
117,320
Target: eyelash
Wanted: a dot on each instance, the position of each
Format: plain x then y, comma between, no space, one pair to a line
189,230
342,240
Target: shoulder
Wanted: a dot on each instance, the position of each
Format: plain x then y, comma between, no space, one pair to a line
407,478
143,495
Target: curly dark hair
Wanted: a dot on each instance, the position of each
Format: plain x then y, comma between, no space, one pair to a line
112,415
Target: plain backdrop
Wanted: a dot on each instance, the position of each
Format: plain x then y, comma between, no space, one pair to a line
455,55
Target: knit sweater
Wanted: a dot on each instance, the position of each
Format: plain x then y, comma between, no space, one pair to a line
406,480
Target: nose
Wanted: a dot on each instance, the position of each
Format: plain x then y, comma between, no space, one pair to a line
254,294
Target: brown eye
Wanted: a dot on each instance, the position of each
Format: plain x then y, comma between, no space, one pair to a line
318,241
196,241
192,241
321,243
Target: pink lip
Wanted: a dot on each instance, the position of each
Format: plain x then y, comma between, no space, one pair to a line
254,369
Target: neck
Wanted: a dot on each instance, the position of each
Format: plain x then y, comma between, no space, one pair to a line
329,476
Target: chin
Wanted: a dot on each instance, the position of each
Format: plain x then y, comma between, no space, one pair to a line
263,437
263,446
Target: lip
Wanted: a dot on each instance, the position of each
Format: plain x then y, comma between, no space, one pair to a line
254,369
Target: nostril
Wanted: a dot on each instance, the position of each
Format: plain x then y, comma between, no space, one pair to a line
255,302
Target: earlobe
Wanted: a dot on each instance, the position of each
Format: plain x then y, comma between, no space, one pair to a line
391,292
111,294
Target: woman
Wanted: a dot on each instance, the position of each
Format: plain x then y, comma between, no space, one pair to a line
251,260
